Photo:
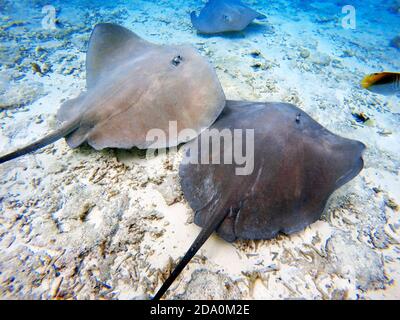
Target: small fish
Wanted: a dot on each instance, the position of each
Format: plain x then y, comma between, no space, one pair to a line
361,117
36,68
385,83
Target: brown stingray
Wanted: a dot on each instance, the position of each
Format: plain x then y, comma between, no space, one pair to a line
298,164
135,86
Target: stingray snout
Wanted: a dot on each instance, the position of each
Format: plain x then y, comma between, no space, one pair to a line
352,154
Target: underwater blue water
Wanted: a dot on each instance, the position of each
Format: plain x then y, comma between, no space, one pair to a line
379,18
377,22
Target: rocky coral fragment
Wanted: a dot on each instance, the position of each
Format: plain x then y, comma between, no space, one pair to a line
21,94
321,59
357,261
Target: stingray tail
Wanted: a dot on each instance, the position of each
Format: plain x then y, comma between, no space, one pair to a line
49,139
196,245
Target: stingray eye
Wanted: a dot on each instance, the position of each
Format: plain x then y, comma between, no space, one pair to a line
226,18
177,60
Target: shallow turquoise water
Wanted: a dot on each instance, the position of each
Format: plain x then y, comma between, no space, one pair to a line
376,23
360,36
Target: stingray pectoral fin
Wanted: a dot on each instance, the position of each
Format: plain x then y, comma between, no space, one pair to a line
110,45
49,139
205,233
69,110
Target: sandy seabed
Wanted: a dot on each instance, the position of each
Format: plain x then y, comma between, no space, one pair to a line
89,225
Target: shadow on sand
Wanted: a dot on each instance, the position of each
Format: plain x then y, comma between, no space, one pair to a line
255,28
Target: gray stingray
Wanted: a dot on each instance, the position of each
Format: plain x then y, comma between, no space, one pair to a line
224,16
298,164
134,86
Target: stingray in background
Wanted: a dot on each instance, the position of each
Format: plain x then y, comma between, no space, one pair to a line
134,86
224,16
298,164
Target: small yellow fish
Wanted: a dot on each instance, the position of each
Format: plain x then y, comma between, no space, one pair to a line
36,68
385,83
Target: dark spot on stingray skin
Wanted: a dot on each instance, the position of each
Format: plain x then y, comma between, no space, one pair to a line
226,18
177,60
